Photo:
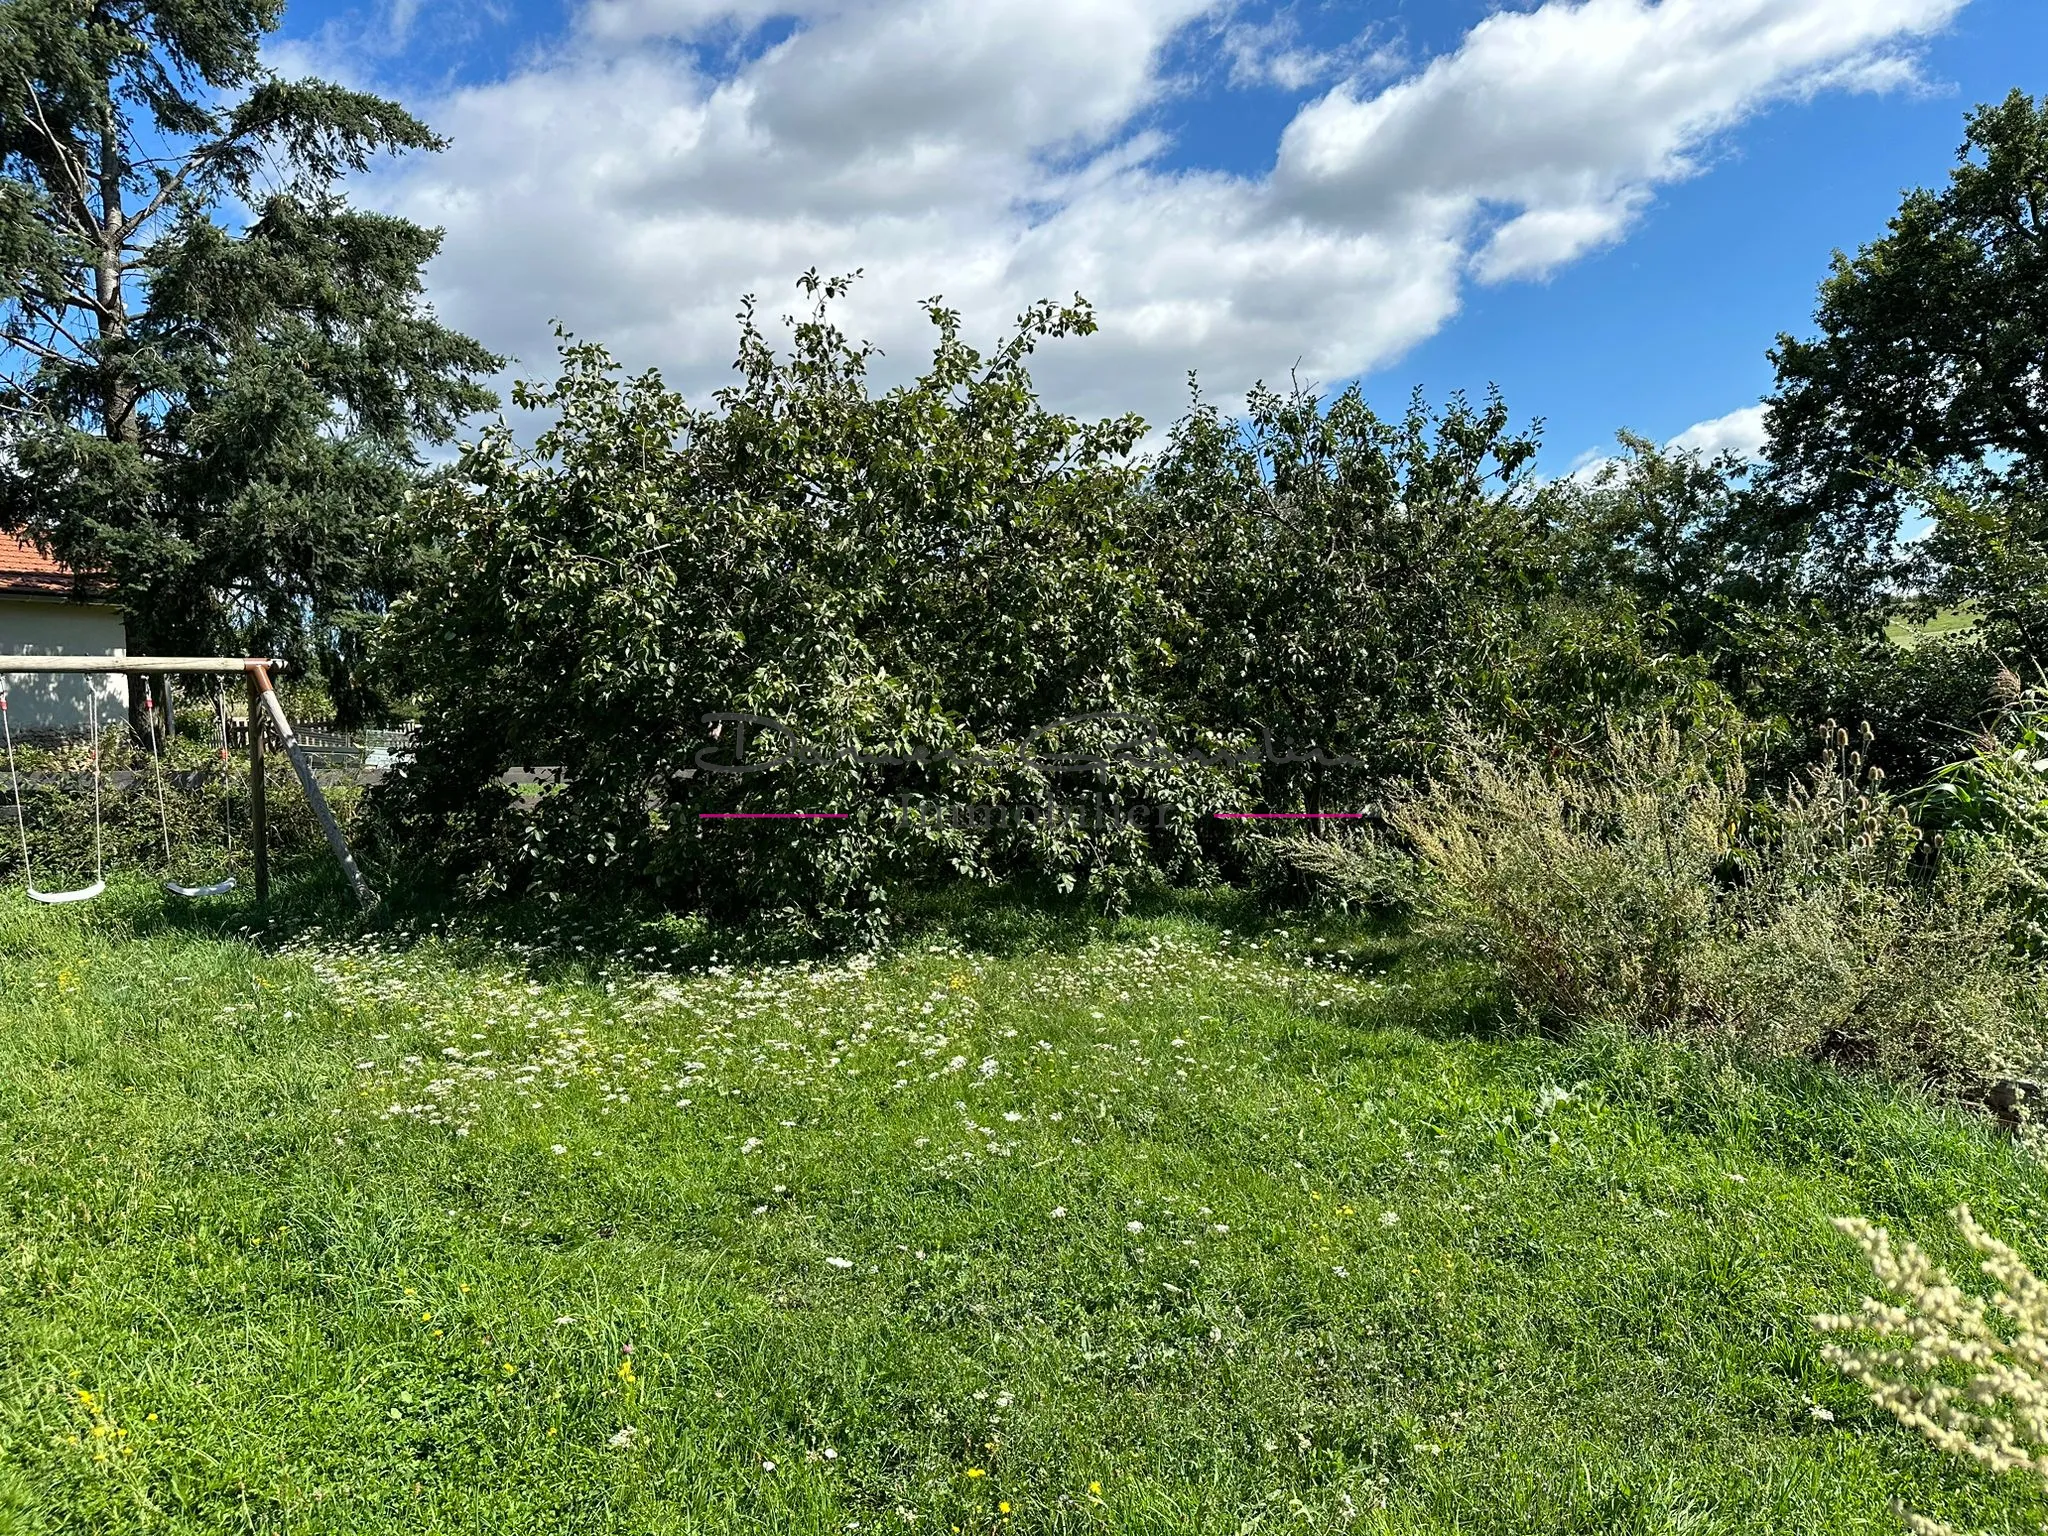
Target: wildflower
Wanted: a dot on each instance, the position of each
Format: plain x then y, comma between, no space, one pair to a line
558,1149
838,1263
1821,1413
1134,1226
1390,1219
976,1472
1059,1211
767,1466
622,1440
1221,1229
1002,1506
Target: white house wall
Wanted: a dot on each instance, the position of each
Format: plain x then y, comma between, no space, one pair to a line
61,701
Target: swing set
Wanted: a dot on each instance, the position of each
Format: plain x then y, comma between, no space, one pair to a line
264,711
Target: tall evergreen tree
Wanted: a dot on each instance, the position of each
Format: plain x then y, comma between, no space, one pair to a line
217,373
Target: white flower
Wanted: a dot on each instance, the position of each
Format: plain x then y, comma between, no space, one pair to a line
989,1068
1390,1219
623,1438
1736,1178
1134,1226
1221,1229
1059,1210
838,1263
1821,1413
1340,1271
767,1466
558,1149
1012,1116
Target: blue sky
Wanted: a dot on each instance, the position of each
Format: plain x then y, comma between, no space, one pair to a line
1607,207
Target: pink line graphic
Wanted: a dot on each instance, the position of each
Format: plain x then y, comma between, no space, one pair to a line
1290,815
771,815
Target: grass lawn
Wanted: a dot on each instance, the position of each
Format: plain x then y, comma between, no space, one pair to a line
1909,633
1179,1223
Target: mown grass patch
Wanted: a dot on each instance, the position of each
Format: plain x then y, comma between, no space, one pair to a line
1943,624
1144,1225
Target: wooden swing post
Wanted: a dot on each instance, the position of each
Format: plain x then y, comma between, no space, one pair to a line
259,680
259,797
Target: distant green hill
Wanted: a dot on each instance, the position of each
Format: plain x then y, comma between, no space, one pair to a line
1946,621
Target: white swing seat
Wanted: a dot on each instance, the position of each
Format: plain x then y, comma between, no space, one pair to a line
59,898
218,888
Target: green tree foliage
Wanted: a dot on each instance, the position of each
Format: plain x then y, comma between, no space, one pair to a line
1987,550
1689,538
916,587
1002,644
1717,575
218,369
1336,581
1932,352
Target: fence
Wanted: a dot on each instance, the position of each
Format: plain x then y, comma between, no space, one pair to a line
360,756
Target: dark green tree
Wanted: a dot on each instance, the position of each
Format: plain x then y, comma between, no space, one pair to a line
1336,580
1932,352
217,374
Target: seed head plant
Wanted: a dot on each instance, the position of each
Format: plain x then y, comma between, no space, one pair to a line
1968,1372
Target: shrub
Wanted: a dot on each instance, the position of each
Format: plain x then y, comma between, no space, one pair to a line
1991,805
898,606
1350,869
1649,888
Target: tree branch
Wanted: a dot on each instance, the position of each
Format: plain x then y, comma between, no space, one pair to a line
37,349
29,303
67,162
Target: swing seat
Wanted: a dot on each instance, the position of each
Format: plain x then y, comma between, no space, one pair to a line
218,888
59,898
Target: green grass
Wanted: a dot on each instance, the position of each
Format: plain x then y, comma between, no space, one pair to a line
1908,633
1142,1226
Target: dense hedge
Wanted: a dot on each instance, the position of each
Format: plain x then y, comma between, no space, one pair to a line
1000,643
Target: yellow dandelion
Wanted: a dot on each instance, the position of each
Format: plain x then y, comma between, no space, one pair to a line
976,1472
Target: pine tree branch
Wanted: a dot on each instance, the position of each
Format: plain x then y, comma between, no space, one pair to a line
67,161
37,349
73,297
30,304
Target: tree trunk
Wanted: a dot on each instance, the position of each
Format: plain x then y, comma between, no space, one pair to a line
117,388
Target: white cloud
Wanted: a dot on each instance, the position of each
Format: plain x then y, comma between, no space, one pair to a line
1739,432
997,151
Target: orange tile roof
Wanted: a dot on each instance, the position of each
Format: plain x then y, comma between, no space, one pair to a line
27,572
